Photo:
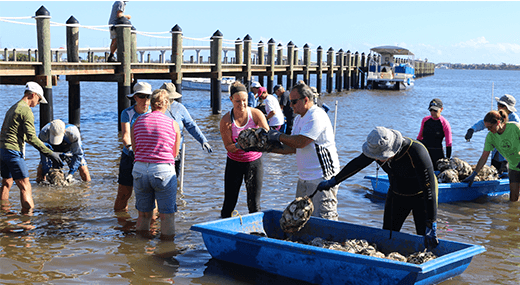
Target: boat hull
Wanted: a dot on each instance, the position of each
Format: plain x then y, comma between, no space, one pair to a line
202,84
451,192
229,240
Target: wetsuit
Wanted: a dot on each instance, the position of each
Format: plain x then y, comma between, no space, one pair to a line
413,186
432,132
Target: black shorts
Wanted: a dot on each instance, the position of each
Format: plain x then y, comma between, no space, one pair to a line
126,165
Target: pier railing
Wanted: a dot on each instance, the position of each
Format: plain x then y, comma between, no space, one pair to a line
343,70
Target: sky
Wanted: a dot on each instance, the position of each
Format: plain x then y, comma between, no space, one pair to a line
471,32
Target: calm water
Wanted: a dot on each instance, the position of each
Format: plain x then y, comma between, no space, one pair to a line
75,237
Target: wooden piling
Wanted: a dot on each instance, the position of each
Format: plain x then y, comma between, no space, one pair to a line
295,62
216,72
290,68
279,61
364,70
306,64
246,71
124,38
74,86
43,31
261,61
133,46
271,47
355,76
319,72
176,58
339,73
14,55
330,71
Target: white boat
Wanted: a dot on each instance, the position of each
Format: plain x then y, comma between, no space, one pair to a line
205,83
388,72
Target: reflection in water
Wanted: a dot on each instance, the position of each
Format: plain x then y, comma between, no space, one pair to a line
73,235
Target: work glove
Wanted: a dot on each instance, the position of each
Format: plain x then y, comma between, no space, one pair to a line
273,136
327,184
430,236
207,147
66,158
56,160
69,178
470,179
469,134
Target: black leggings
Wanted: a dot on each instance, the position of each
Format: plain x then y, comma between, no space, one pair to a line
398,207
253,174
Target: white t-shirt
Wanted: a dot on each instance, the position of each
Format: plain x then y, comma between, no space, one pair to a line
318,159
271,104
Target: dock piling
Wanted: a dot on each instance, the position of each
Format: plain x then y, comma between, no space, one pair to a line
319,71
306,63
176,58
339,74
74,86
290,62
43,31
271,47
124,56
330,71
246,70
216,72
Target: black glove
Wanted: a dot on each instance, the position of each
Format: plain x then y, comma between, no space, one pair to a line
448,152
430,236
470,179
56,160
469,134
327,184
207,147
273,136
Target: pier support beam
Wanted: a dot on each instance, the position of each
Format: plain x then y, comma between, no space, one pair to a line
133,47
279,61
364,70
74,86
319,71
270,61
239,55
246,71
341,62
261,61
306,63
176,58
216,72
330,71
348,61
43,24
124,51
290,68
141,52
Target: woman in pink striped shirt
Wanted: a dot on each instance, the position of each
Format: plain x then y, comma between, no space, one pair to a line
156,139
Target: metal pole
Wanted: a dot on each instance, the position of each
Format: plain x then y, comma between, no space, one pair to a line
335,117
181,175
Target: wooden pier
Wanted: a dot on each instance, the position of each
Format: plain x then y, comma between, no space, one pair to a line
346,68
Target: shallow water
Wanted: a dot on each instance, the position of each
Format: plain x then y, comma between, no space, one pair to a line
75,237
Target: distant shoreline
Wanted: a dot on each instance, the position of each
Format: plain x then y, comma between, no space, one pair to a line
477,66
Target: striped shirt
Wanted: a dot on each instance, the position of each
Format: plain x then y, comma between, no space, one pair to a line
154,138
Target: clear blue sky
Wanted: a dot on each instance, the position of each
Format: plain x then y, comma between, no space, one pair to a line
441,31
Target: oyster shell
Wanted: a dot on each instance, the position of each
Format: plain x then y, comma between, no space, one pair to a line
56,176
255,139
296,214
448,176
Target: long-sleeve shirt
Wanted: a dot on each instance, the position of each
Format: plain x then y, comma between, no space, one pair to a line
18,128
71,144
181,115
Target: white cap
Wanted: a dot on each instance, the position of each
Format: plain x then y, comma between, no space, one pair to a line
256,84
141,87
36,88
56,132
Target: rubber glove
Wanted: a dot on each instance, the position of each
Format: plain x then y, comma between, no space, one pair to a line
327,184
69,178
430,236
469,134
56,160
65,157
273,136
207,147
470,179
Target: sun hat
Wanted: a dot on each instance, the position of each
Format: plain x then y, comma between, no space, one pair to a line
277,87
56,132
172,90
255,84
141,87
435,104
507,100
36,88
382,143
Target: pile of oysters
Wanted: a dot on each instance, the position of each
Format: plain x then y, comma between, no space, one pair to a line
56,177
255,139
455,170
296,214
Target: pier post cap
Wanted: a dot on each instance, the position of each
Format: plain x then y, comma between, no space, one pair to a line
42,13
260,43
306,46
319,48
72,20
340,50
238,41
217,34
363,54
357,53
176,29
280,45
271,41
247,38
290,44
330,49
348,51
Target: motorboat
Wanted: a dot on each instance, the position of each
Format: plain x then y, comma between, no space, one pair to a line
196,83
389,72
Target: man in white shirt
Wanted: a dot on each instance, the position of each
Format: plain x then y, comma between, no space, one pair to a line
274,114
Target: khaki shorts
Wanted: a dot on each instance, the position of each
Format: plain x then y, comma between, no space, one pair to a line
113,34
325,202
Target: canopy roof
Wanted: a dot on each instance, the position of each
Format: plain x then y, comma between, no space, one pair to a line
394,50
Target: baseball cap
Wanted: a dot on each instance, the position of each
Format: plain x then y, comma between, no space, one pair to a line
56,132
276,88
256,84
435,104
36,88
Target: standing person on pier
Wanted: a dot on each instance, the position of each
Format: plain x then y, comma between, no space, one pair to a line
312,140
117,16
180,114
273,111
241,165
17,128
156,139
142,93
434,129
507,104
285,104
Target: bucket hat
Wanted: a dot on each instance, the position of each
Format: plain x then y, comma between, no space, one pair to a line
507,100
255,84
141,87
172,90
382,143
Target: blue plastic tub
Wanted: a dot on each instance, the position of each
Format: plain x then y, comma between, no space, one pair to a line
230,240
451,192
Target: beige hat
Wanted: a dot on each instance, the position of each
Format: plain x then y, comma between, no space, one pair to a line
141,87
172,91
36,88
56,132
382,143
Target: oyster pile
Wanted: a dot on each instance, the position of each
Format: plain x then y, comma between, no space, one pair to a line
56,177
363,247
255,139
296,214
455,170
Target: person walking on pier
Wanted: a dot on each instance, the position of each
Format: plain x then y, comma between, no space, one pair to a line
241,165
285,104
273,111
117,16
156,139
434,129
142,93
18,128
180,114
312,140
66,140
507,104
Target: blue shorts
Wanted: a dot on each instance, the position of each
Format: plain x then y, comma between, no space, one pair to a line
126,165
155,181
12,164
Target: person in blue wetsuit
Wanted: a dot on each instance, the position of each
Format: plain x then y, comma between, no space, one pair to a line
180,114
434,129
65,140
506,103
413,185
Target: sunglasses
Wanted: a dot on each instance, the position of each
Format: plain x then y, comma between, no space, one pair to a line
294,101
143,96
